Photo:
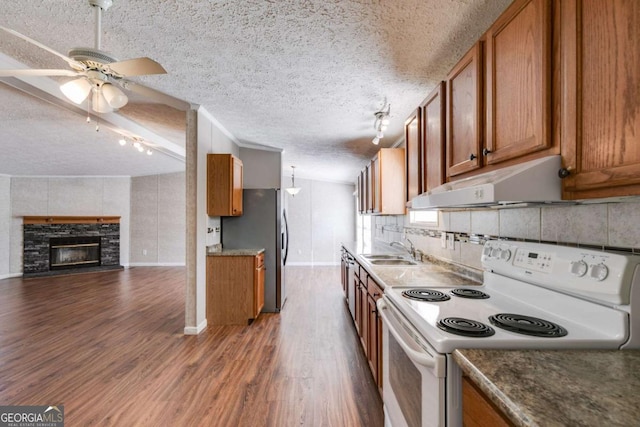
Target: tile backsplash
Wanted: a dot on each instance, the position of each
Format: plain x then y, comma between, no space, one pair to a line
607,225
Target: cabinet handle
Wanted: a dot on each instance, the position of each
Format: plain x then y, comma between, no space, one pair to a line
472,157
486,151
375,294
564,172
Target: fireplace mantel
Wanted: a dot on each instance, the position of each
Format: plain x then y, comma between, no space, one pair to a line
71,220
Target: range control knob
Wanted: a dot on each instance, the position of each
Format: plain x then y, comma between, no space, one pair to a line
506,254
496,252
487,250
579,268
599,272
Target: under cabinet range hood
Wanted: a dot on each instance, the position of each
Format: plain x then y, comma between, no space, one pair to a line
536,181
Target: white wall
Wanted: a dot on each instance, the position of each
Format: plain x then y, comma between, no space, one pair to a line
158,220
261,168
81,196
5,226
321,216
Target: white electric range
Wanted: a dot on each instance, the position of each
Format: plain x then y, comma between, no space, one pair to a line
534,296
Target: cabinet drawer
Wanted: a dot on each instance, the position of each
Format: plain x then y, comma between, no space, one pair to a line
373,288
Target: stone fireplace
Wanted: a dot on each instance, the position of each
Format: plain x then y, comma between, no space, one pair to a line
58,245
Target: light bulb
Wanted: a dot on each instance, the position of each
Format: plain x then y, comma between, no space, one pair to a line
379,135
136,144
385,121
76,90
114,96
98,103
141,148
122,141
375,140
149,152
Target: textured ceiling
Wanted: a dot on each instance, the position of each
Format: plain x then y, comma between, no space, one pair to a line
305,76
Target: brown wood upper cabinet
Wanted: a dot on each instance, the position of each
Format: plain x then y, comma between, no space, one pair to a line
381,184
412,147
387,170
464,114
518,82
600,119
433,138
224,185
499,95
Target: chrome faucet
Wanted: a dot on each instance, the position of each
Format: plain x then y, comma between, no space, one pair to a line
411,250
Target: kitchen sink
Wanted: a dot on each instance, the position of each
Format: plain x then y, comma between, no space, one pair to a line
397,257
395,261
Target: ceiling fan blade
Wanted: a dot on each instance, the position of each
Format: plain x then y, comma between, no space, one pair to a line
136,67
155,95
36,72
74,64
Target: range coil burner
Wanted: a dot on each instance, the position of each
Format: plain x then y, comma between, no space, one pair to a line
428,295
527,325
469,293
465,327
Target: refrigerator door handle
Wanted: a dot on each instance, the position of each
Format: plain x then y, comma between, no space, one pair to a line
285,237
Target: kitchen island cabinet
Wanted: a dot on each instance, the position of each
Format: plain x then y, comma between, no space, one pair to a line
557,387
235,286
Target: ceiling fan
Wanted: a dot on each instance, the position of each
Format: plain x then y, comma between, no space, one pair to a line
98,72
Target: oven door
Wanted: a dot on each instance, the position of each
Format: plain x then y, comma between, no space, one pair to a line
414,375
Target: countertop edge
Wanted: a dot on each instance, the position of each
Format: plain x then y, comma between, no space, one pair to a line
237,252
509,408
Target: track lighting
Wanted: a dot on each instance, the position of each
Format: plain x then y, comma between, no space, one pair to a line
381,122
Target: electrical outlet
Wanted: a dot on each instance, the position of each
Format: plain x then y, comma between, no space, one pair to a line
451,245
443,240
144,252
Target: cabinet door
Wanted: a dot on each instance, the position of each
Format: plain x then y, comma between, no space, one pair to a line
224,185
464,113
518,81
364,318
433,138
360,194
258,287
375,185
372,351
600,128
369,188
412,153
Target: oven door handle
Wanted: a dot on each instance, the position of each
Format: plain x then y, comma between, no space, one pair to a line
423,359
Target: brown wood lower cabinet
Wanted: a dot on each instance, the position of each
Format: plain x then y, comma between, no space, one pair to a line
478,410
367,321
235,289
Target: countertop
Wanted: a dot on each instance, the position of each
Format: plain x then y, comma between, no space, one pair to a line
425,273
558,387
236,252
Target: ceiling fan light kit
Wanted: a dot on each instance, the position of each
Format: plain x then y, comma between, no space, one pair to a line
97,70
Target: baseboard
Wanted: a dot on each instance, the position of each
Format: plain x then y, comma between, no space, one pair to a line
10,276
195,330
312,264
157,264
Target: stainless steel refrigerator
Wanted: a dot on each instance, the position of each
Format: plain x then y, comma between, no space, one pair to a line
263,224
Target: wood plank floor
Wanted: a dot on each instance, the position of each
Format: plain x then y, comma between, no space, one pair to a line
109,347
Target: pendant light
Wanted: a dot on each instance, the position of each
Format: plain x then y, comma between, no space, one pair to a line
293,190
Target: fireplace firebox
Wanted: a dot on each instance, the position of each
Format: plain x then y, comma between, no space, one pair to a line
74,252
